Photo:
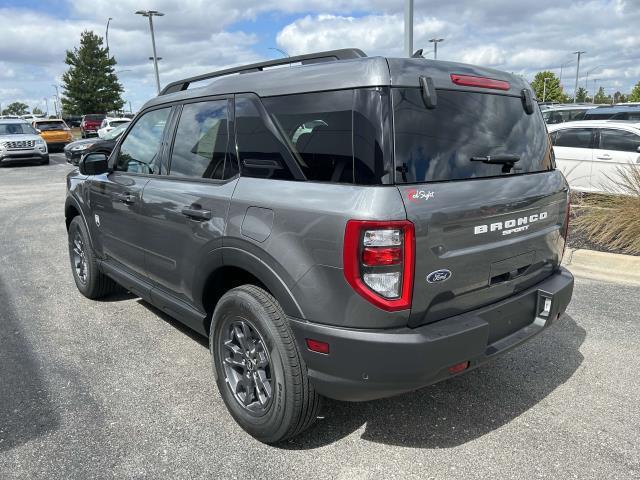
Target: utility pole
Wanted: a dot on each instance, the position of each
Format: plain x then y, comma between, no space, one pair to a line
107,35
435,42
46,103
575,91
408,28
150,14
130,109
57,100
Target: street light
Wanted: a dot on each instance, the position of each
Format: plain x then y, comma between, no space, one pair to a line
544,88
150,14
106,35
575,91
435,42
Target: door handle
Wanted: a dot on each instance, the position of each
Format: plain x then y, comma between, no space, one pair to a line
604,157
196,213
126,197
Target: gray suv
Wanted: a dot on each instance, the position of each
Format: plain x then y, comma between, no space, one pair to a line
349,227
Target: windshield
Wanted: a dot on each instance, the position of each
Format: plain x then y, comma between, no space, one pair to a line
53,125
94,118
116,132
439,144
16,129
115,123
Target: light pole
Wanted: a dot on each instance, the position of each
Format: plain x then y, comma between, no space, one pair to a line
150,14
57,97
435,42
544,89
575,91
595,82
46,104
408,28
106,35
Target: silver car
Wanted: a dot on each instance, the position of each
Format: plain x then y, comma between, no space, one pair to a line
20,142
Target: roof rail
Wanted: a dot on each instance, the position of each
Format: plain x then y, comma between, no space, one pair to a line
328,56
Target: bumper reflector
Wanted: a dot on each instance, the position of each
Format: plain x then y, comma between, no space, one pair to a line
458,367
317,346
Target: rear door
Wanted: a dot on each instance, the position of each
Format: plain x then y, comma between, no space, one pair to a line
616,149
573,148
483,231
185,211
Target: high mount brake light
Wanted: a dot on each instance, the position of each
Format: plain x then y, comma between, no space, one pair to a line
480,82
379,260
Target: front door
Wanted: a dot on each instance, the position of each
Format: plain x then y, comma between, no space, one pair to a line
185,211
116,196
573,148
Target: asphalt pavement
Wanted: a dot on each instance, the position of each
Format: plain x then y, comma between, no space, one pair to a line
116,389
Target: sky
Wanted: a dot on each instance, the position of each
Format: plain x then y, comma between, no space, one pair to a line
198,36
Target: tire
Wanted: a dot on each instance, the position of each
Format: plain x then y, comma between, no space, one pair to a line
293,404
91,282
82,134
45,160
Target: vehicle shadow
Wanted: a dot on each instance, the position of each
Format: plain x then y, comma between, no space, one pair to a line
26,409
461,409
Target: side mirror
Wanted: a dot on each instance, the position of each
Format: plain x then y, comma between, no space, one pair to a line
38,130
94,164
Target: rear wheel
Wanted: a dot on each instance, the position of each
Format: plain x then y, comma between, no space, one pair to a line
259,371
91,282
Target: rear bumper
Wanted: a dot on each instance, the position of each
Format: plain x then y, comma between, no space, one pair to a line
369,364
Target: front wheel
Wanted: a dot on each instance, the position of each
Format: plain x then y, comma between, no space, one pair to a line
260,373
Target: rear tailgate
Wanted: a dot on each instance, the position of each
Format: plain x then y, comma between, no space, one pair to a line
478,181
490,238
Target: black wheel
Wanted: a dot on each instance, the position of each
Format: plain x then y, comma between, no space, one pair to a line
91,282
82,134
259,371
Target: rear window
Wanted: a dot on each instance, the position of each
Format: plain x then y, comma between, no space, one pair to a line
94,118
44,126
438,144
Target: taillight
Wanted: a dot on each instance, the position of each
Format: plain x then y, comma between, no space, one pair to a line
481,82
378,261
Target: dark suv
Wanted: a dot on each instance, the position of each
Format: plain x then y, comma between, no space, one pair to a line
351,227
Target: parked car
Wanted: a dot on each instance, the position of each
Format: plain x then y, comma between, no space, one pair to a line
358,262
75,150
590,152
53,131
109,124
90,124
19,142
620,112
564,113
73,121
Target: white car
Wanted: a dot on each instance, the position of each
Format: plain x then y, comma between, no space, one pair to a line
109,124
589,152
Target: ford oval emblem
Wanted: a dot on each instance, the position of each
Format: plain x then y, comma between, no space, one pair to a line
439,276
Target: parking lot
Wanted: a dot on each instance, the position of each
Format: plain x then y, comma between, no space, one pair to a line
116,389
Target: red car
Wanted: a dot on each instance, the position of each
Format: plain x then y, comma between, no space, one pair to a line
90,124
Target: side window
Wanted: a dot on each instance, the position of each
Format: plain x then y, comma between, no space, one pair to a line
262,154
574,137
200,145
141,149
620,140
319,129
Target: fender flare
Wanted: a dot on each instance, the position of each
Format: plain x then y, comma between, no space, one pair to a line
236,257
70,201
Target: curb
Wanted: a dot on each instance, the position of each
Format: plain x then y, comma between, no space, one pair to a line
611,267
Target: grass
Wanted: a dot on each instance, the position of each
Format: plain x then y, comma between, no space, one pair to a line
613,220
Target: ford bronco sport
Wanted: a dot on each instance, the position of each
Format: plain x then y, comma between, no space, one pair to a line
351,227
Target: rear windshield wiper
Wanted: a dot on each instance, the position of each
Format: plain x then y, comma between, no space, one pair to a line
507,161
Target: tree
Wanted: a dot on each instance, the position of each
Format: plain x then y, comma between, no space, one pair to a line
37,111
16,108
553,91
635,94
600,97
90,84
581,95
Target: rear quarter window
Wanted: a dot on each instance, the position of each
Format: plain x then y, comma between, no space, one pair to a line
438,144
